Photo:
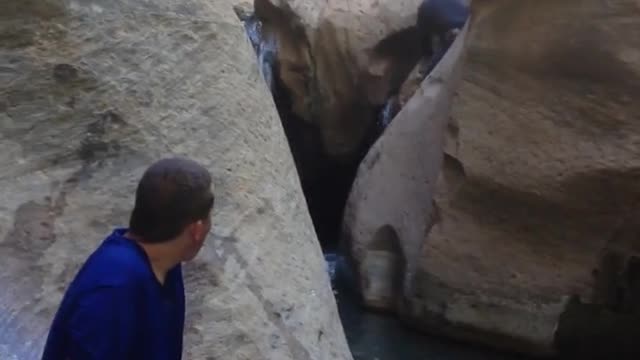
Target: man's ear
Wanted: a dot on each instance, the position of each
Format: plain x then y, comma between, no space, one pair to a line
200,230
195,229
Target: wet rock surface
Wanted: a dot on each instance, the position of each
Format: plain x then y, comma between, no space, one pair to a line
92,93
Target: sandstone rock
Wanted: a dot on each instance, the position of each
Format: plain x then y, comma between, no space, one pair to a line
95,91
537,197
341,60
387,213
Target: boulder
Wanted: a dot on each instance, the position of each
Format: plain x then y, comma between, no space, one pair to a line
95,91
387,213
531,241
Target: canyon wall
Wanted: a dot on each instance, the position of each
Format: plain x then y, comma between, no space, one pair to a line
532,227
95,91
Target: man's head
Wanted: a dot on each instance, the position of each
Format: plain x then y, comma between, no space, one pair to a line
437,17
173,204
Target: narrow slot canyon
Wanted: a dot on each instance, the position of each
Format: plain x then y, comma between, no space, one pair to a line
379,195
326,183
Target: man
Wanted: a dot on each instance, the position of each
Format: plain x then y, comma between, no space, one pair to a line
442,20
127,300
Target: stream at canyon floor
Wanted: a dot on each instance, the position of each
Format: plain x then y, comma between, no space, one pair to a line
373,336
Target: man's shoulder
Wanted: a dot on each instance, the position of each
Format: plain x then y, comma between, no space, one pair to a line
113,264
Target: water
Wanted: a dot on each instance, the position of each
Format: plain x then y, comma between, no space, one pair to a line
388,112
373,336
264,46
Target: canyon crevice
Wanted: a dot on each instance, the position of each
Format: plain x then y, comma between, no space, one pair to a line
336,65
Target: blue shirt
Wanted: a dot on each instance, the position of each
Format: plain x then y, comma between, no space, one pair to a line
116,309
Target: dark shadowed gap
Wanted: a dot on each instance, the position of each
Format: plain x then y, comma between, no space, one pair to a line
326,181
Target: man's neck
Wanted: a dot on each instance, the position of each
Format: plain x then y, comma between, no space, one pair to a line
161,256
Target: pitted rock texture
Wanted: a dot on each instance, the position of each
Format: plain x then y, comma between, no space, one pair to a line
93,92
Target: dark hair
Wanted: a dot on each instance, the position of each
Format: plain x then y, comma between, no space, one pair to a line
172,193
436,17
